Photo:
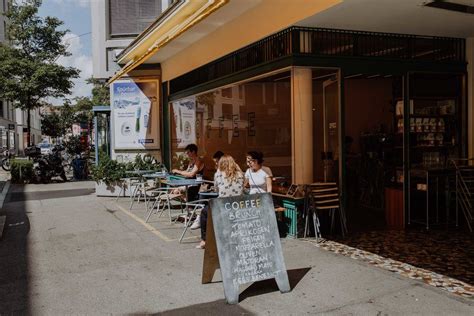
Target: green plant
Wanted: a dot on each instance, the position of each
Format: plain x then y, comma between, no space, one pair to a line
180,161
74,146
145,162
21,171
108,171
111,171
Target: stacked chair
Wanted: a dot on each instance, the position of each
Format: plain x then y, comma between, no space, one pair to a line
320,198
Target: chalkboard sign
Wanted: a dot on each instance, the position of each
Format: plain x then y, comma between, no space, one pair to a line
248,243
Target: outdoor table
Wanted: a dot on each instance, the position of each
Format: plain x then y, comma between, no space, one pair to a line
208,195
155,175
139,172
181,182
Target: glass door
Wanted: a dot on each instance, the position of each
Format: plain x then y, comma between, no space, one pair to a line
326,124
330,123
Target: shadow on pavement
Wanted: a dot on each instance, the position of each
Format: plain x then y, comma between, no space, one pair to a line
219,307
268,286
45,195
15,273
14,269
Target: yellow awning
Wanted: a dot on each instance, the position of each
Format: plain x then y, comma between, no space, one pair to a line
160,34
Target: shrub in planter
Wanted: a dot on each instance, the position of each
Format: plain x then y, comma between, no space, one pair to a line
108,171
145,162
21,171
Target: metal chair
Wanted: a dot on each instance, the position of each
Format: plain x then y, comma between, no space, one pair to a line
322,197
139,192
162,199
127,183
192,210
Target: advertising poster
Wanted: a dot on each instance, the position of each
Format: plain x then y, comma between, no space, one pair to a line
132,112
185,119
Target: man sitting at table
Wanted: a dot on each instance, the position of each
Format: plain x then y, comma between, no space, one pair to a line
195,165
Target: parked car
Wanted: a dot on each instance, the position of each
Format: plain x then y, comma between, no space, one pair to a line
45,148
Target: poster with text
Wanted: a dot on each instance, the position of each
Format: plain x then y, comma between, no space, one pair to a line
134,113
185,120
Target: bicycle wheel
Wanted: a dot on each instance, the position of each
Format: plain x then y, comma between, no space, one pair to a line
6,164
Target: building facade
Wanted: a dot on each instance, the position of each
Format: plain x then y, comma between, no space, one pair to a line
372,95
115,23
9,137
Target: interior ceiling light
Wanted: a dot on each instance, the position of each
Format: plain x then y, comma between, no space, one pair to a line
452,5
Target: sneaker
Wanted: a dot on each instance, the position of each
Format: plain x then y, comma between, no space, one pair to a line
201,245
197,223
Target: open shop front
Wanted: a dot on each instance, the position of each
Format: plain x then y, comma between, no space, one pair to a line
386,127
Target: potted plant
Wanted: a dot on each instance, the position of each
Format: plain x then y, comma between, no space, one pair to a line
108,175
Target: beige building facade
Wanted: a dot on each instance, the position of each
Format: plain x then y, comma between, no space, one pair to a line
321,87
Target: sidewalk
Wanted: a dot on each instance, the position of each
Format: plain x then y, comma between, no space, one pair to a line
87,255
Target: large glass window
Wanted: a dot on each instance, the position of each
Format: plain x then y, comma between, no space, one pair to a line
254,115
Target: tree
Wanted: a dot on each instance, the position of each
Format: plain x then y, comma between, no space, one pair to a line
29,73
59,122
100,92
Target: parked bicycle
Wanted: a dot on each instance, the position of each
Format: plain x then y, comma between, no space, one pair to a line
5,161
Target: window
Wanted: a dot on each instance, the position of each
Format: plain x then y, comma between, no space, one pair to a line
131,17
236,122
1,109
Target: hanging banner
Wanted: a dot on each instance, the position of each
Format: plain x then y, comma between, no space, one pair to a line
132,114
185,121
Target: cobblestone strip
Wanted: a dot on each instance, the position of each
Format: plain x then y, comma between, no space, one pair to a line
404,269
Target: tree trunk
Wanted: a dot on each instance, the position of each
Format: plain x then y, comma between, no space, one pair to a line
28,127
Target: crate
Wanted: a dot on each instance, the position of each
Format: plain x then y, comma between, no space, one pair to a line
293,215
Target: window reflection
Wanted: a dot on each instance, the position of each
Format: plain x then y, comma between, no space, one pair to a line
255,115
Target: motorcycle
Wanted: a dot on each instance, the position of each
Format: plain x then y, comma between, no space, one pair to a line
47,166
5,161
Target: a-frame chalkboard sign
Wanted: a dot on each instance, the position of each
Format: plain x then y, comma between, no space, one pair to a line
242,239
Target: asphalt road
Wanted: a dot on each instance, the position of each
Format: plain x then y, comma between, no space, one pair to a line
66,251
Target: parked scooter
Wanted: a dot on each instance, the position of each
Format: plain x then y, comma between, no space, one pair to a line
47,166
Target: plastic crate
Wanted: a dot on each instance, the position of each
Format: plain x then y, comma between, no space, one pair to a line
293,216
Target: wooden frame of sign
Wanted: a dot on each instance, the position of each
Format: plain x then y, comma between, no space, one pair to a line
245,243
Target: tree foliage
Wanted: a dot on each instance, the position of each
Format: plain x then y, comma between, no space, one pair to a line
59,122
29,73
100,92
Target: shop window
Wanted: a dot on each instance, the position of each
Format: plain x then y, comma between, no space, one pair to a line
236,123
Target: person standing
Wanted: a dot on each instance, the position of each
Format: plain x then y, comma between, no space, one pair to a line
257,177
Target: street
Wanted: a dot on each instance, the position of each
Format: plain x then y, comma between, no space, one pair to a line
66,251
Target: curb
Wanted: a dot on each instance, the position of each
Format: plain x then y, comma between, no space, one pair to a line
3,195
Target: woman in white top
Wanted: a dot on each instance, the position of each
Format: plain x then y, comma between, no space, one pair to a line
257,177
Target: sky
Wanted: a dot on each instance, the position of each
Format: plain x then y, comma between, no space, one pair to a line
76,17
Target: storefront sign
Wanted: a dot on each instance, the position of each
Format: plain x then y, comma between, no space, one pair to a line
131,114
185,121
248,243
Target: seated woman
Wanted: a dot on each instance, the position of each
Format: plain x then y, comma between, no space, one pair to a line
257,176
228,181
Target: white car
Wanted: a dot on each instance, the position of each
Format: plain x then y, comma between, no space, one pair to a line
45,148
